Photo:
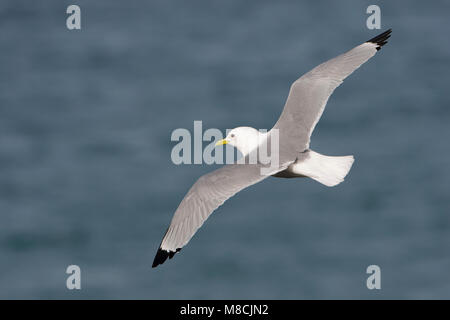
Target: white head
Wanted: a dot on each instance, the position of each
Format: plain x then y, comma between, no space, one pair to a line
245,139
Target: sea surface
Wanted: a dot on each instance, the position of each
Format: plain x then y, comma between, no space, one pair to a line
86,176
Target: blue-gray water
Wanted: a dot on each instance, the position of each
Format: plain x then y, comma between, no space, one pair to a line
85,170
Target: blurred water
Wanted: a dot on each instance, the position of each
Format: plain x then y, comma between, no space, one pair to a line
86,176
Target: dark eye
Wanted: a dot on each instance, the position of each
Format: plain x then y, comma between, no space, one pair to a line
232,135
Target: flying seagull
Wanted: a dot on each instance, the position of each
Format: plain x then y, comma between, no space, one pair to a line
304,106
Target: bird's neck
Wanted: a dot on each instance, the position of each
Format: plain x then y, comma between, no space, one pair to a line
251,143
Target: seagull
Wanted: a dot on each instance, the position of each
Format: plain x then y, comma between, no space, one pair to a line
306,101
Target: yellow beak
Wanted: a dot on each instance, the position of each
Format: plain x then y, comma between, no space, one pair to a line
221,142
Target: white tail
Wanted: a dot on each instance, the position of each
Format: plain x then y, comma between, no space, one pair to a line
327,170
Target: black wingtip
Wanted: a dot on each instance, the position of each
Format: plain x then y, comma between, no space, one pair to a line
162,255
381,39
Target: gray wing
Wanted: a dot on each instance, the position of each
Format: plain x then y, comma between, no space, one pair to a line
207,194
309,95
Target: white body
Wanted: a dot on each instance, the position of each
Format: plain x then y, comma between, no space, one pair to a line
327,170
